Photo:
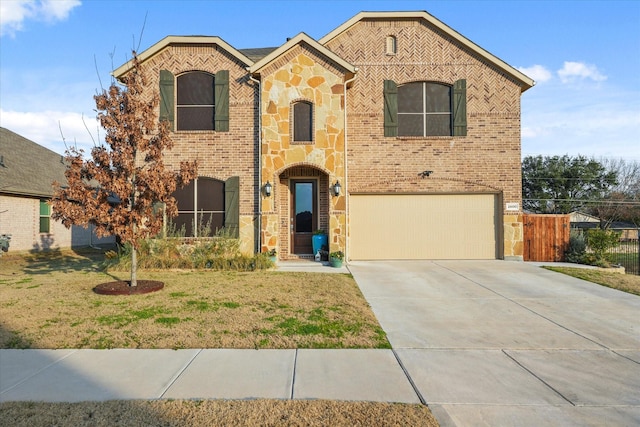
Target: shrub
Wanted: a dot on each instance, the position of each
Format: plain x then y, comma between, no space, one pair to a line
221,252
577,248
600,242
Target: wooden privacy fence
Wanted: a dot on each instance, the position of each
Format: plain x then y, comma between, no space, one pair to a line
546,237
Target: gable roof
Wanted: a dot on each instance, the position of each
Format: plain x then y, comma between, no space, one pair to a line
298,39
169,40
28,169
524,81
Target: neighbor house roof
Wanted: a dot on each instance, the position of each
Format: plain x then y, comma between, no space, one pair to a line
525,81
26,168
173,40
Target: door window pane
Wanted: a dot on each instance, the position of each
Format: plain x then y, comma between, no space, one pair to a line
304,207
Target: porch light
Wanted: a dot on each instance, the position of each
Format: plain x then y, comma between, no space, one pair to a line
267,189
336,188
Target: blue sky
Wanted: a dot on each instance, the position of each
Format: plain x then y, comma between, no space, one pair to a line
583,55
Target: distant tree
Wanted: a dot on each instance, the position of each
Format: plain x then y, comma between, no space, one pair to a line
119,189
562,184
623,203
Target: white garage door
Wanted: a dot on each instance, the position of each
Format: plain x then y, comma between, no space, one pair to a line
409,226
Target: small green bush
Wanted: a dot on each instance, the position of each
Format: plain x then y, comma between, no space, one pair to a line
577,248
600,242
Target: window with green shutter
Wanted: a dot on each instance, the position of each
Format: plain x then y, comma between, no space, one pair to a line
425,109
202,100
45,216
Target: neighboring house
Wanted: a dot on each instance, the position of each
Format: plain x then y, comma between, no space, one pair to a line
415,125
583,221
27,172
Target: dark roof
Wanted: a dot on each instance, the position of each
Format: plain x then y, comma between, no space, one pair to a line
256,54
615,225
26,168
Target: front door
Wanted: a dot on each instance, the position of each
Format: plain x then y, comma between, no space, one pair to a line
304,215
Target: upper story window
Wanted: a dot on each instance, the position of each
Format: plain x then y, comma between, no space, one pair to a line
302,121
195,101
391,45
424,109
199,102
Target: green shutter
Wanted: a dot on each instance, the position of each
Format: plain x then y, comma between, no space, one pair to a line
390,108
232,206
222,101
166,97
460,108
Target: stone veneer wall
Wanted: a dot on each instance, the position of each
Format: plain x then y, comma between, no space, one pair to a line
486,160
302,75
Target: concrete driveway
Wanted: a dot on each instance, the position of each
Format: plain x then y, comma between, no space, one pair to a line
499,343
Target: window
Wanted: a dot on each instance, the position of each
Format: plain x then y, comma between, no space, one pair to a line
425,109
392,45
201,100
195,104
207,204
45,216
302,122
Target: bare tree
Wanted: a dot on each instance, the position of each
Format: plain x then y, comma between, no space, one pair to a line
623,202
119,188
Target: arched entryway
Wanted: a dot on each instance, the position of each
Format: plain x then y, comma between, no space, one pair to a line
303,209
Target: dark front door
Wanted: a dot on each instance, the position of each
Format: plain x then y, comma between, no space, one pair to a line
304,215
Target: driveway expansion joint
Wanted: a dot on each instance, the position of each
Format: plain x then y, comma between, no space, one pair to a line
179,374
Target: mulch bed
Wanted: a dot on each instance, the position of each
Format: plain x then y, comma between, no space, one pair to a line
122,287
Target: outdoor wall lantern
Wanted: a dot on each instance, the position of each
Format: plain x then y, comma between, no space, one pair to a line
336,188
267,189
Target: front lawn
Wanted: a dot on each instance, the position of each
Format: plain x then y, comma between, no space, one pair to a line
47,302
623,282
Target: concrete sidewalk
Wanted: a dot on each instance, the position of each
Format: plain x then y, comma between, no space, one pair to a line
99,375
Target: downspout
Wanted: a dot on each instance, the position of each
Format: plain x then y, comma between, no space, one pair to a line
346,179
259,248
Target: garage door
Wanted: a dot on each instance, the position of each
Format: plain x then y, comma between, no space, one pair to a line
409,226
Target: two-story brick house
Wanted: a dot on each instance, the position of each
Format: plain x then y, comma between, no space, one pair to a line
394,133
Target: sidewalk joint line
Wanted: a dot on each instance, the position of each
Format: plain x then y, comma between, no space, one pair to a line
179,374
55,362
293,373
406,373
537,377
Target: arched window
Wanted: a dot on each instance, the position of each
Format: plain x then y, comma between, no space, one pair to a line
302,121
424,109
195,98
392,45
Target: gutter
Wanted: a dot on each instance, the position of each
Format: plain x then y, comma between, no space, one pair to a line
346,164
259,248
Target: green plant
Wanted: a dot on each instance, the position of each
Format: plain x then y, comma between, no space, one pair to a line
577,248
337,255
319,231
600,241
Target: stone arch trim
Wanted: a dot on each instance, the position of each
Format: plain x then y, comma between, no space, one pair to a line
286,168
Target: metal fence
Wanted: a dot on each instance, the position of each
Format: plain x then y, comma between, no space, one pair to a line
627,254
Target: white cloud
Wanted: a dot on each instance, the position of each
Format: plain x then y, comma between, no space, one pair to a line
537,72
13,13
573,71
47,128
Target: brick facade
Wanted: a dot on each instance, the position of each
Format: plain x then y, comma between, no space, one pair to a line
349,145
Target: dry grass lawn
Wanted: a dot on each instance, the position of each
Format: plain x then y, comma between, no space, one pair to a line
47,302
216,413
622,282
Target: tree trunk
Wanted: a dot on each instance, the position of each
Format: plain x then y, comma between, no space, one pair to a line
134,267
